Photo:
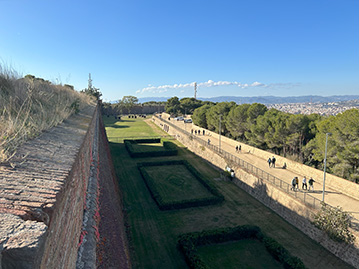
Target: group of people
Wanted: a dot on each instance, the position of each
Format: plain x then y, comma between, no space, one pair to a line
198,132
295,183
271,162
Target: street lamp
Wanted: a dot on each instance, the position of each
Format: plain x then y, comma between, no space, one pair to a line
219,133
325,161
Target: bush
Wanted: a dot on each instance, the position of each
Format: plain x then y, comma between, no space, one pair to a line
335,223
188,243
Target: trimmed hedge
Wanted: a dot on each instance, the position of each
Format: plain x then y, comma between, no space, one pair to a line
169,148
188,243
163,205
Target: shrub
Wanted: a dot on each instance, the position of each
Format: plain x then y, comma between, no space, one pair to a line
335,223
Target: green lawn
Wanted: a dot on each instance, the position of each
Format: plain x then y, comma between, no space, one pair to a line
146,147
154,233
246,253
176,183
127,128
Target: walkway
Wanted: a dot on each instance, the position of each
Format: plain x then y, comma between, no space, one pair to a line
332,197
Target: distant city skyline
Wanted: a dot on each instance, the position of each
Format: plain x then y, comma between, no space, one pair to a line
160,48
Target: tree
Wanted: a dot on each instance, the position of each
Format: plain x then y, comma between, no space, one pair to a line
199,116
236,121
188,105
215,112
127,103
173,105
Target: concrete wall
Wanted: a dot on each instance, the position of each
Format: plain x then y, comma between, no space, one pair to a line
292,210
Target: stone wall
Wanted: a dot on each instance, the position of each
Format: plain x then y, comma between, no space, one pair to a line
292,210
47,187
348,187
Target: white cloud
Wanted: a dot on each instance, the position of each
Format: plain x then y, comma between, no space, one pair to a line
209,83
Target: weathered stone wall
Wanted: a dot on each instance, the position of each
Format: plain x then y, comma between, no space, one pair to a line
45,195
292,210
348,187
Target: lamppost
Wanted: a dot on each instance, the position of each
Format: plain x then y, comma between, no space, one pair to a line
219,133
325,161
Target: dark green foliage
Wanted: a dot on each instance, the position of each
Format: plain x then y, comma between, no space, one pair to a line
169,148
188,243
164,205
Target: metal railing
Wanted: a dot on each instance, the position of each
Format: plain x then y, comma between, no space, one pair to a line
304,197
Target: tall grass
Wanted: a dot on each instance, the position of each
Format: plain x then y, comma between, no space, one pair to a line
31,105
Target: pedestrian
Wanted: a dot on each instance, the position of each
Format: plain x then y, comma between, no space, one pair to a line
203,132
195,132
199,132
236,148
209,141
304,184
269,161
239,148
273,162
311,181
296,182
191,131
293,184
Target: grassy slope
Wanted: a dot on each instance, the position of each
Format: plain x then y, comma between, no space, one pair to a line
154,233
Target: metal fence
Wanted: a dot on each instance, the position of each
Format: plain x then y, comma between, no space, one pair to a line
304,197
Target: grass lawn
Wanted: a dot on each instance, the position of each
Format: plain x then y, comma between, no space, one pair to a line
154,233
146,147
176,183
246,253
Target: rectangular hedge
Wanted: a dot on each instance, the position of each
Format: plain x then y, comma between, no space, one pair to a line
163,205
188,243
169,148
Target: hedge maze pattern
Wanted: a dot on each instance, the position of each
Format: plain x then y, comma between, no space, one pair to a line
188,243
213,197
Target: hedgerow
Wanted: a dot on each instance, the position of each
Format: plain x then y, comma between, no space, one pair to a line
169,148
188,243
165,205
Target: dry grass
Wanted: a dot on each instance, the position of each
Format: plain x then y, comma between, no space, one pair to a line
31,105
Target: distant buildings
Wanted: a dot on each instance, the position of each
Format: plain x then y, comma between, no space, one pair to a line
332,108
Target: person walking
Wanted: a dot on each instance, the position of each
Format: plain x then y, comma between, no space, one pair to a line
311,181
195,132
293,184
296,183
304,183
269,161
203,132
236,148
239,148
209,141
273,162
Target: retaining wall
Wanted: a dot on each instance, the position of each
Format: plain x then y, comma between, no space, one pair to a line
284,205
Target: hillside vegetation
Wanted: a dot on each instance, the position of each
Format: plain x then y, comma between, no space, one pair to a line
31,105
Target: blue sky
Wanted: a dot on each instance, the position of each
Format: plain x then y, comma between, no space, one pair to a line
160,48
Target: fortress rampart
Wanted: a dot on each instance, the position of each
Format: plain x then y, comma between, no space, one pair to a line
46,194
